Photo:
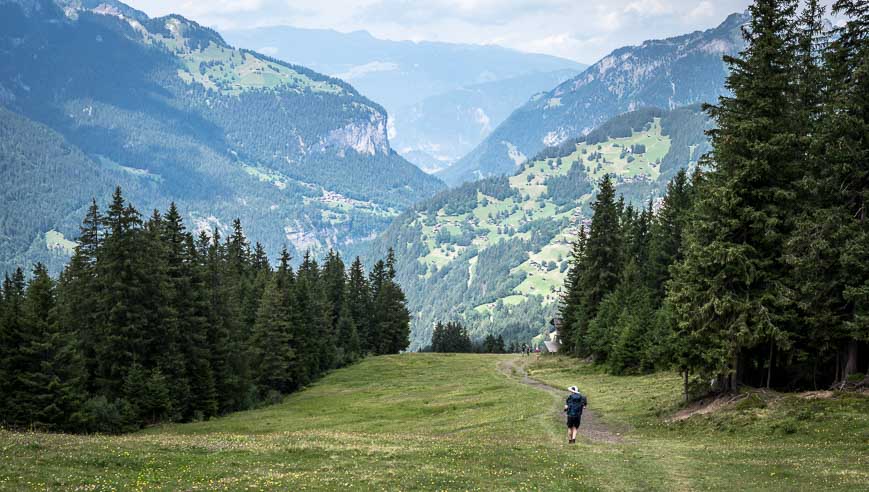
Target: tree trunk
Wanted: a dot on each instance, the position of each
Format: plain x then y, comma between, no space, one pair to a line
685,372
851,361
769,366
734,379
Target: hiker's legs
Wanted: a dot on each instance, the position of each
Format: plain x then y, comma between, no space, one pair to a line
573,431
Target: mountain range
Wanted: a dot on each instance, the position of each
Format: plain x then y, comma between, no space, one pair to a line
443,99
665,73
494,253
95,94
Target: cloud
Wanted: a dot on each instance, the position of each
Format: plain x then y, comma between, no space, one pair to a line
584,30
649,7
703,10
269,50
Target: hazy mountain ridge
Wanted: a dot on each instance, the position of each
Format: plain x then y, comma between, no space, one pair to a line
433,91
493,253
301,157
664,73
449,125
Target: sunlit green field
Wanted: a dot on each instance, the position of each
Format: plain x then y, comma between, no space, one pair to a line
455,422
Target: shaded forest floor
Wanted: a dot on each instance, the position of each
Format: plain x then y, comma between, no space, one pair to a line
465,422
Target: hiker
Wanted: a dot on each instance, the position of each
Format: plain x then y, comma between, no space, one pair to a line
576,401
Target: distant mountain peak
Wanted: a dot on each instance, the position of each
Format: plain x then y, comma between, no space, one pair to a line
665,73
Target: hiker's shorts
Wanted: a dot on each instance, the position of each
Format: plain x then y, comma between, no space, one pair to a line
573,421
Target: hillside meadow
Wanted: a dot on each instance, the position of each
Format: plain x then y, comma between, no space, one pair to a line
464,422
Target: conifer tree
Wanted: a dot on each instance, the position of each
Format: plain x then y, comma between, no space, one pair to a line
125,312
666,231
730,295
391,316
272,353
316,338
360,305
602,262
572,297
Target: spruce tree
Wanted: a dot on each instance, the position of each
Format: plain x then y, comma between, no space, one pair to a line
125,313
602,262
666,232
730,293
572,295
829,249
360,305
392,318
272,353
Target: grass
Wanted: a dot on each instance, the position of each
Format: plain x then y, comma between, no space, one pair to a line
766,441
408,423
530,184
56,241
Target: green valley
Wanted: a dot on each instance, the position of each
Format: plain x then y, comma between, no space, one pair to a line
169,111
406,422
495,253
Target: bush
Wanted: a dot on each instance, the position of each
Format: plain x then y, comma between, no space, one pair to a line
785,426
750,402
99,415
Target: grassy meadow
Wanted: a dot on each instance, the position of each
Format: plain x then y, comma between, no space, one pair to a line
457,422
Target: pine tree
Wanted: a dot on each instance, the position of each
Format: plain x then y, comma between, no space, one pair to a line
125,309
829,248
572,297
204,401
360,305
667,230
602,262
12,329
376,279
391,317
45,386
351,347
272,352
334,282
730,294
78,292
315,339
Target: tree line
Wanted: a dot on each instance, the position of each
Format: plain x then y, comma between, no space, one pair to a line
452,337
756,270
150,323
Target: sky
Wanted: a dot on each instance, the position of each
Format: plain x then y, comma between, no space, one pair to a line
582,30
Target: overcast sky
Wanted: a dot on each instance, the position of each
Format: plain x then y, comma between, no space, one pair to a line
583,30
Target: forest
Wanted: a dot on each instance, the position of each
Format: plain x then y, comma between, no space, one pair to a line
152,323
755,270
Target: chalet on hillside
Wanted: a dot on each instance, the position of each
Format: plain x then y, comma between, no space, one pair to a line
554,343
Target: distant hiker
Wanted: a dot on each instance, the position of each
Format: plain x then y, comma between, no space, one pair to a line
576,401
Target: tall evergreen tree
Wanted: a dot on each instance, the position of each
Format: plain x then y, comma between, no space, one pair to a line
569,310
46,366
602,261
271,343
360,305
730,294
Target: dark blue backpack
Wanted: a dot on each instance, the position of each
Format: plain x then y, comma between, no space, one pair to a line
575,404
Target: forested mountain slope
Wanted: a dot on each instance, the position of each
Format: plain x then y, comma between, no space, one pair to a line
443,98
662,73
168,110
494,253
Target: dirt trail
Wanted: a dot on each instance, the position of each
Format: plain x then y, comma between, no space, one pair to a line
591,428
